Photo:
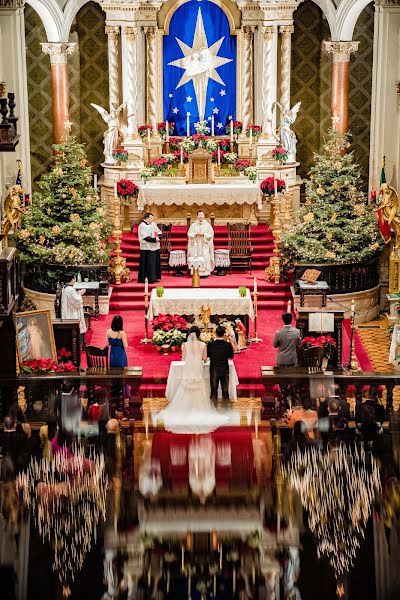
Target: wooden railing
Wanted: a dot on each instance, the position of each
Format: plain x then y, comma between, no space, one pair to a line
45,279
343,279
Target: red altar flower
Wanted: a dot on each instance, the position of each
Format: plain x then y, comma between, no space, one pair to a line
267,186
46,365
256,130
322,341
215,155
237,127
198,137
168,322
241,164
162,127
177,154
159,164
126,188
174,142
225,144
142,130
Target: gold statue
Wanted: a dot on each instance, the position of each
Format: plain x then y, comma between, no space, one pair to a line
205,315
13,209
388,207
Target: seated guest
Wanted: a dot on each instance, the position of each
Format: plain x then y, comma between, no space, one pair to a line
299,441
19,417
372,400
369,430
287,341
306,414
343,408
14,444
62,442
116,339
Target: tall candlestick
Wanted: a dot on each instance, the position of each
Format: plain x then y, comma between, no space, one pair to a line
212,125
148,138
219,156
181,154
188,124
115,189
167,131
255,285
220,556
146,286
95,181
231,129
275,186
251,138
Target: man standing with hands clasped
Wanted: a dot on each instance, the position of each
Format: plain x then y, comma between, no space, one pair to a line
219,351
72,303
149,238
201,244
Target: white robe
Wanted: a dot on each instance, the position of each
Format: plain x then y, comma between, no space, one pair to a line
72,306
201,245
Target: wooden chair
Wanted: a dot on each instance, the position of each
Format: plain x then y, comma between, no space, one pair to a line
97,358
311,357
240,248
165,246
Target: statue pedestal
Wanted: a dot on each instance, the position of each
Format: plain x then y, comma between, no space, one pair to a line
287,172
136,149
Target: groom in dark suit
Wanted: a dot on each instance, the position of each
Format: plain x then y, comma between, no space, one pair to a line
219,352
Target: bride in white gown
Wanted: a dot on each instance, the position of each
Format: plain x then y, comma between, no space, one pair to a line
191,410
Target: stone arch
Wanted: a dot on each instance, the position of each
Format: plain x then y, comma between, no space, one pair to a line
346,17
71,9
230,9
52,18
329,10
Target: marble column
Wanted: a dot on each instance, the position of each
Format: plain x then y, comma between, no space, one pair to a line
58,52
341,52
113,65
247,103
269,80
151,95
130,34
285,32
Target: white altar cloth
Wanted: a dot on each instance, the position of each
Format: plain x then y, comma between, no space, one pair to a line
175,376
200,193
189,301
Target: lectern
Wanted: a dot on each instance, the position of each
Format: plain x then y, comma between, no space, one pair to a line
314,323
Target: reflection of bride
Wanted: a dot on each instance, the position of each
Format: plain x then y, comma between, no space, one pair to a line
190,410
202,467
36,344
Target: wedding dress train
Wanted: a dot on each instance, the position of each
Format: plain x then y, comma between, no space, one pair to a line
191,410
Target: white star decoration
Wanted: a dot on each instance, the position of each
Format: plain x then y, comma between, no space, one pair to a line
335,121
230,118
212,99
215,111
170,95
219,125
200,63
189,98
175,110
222,92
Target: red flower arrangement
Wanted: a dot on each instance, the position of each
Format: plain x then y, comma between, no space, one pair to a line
159,164
237,127
142,130
256,130
215,155
198,137
267,186
126,188
324,341
241,164
225,144
177,154
168,322
280,154
46,365
174,142
162,127
120,154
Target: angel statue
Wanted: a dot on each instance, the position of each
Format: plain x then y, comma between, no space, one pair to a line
287,136
110,137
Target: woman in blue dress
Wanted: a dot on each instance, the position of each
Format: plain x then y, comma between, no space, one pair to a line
116,339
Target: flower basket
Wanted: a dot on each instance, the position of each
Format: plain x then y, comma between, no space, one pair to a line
267,186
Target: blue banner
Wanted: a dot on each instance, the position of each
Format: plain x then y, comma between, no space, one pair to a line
199,67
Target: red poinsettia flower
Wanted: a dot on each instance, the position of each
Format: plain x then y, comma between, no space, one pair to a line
126,188
241,164
198,137
267,186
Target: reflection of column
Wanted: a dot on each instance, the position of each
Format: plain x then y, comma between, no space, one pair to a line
113,66
247,108
58,52
341,52
268,79
130,34
151,76
286,43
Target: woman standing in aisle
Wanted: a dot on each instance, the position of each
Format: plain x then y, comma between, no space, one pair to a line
116,339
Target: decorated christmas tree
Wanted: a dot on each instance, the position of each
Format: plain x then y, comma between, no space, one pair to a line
335,225
66,224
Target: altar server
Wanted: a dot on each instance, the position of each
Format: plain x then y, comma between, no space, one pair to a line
149,238
201,243
72,302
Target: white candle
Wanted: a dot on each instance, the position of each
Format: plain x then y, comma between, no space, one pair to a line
148,137
95,181
146,286
188,124
251,137
183,557
167,131
353,308
289,306
219,156
231,127
212,125
181,154
115,189
255,285
275,186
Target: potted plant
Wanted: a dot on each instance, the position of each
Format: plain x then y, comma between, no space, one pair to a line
237,127
267,186
162,128
127,189
256,131
202,128
241,164
280,155
120,155
242,291
159,291
146,173
142,130
159,165
325,341
251,173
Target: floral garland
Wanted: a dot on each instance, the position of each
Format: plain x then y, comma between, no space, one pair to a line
267,186
126,188
46,365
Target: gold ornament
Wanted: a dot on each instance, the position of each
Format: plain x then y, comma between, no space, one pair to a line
336,185
329,236
308,200
359,209
72,191
329,254
74,217
63,196
42,239
338,164
76,232
309,217
334,217
346,183
57,171
320,191
83,162
56,229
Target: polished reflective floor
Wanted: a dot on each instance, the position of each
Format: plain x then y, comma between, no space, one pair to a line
247,511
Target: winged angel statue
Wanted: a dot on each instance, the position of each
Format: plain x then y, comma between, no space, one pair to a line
287,136
110,137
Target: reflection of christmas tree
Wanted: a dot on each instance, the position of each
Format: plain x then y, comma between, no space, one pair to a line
335,224
66,224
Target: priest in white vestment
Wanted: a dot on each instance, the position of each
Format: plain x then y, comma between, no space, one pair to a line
72,303
149,238
201,243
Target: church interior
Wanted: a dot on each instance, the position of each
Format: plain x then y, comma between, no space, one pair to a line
199,299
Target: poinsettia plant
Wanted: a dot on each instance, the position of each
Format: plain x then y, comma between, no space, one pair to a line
256,130
159,164
162,128
168,322
280,154
142,130
120,154
63,355
126,188
225,144
267,186
325,341
175,142
241,164
177,154
46,365
237,127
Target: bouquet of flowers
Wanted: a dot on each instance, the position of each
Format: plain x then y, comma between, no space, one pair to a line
168,322
162,128
327,342
189,145
280,154
146,173
215,155
126,188
202,128
46,365
198,139
267,186
159,164
230,157
170,158
177,154
256,131
237,127
177,337
241,164
120,154
211,145
161,338
225,144
63,355
251,173
142,130
175,142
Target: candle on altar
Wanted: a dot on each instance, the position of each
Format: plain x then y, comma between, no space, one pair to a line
148,138
251,138
255,285
353,308
219,156
115,189
289,306
231,129
189,583
167,131
275,185
183,557
181,154
188,124
95,181
212,125
253,572
146,286
256,426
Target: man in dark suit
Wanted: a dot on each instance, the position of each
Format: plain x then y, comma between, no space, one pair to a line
219,351
287,341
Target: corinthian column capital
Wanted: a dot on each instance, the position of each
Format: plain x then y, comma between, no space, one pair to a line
249,30
150,31
112,31
268,32
130,33
58,51
341,51
286,30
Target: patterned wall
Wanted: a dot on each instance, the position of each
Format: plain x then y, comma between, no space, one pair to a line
311,83
88,81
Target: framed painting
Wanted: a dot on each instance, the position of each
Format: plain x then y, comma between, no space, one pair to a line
35,336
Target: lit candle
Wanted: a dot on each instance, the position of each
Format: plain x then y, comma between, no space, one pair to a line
115,189
95,181
188,541
256,426
148,137
146,286
255,285
188,124
231,128
181,154
251,138
219,156
289,306
212,125
214,540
